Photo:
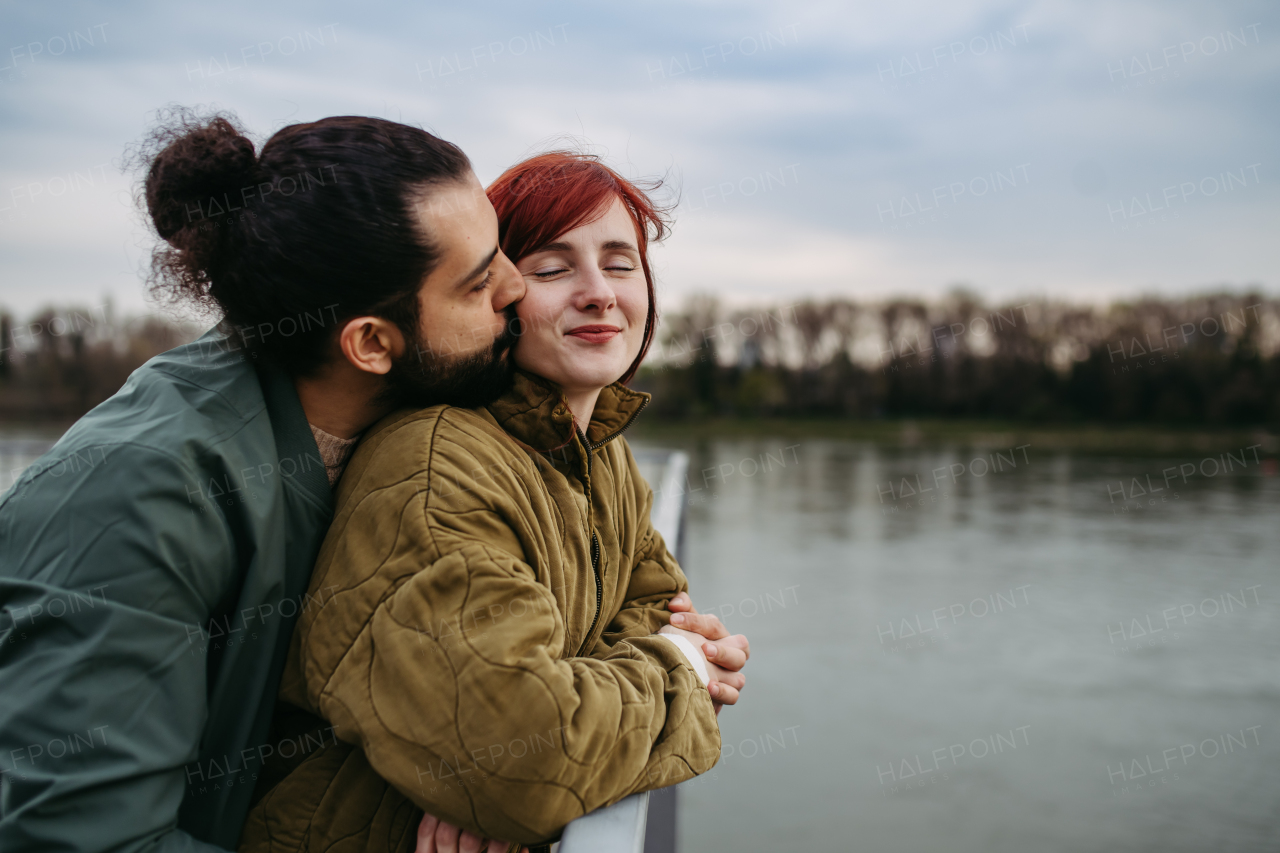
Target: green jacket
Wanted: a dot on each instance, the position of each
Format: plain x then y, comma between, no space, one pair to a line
491,585
152,565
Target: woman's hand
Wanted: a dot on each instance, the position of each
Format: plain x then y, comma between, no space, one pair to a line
724,684
728,652
725,657
436,836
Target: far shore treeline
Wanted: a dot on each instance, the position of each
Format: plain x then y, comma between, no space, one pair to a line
1206,361
1211,360
61,362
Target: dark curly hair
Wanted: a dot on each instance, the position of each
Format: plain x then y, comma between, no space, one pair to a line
288,244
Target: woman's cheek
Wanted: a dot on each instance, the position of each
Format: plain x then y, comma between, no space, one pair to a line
532,322
637,301
537,342
638,312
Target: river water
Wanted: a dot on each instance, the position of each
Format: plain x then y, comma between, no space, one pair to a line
989,650
982,650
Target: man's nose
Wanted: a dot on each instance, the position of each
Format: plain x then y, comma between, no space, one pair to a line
510,285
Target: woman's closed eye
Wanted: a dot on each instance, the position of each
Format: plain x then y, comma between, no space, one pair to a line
547,273
613,268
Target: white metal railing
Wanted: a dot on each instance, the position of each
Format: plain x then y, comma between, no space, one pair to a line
620,828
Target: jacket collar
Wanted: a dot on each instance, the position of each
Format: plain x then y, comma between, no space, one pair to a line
293,435
535,413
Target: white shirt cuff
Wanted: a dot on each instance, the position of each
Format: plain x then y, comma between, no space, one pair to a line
691,654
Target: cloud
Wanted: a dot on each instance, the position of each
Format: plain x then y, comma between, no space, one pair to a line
864,105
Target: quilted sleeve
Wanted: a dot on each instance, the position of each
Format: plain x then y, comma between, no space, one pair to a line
656,577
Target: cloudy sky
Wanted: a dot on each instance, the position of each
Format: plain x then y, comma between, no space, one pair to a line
1073,149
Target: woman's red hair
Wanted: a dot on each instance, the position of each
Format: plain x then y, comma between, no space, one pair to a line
545,196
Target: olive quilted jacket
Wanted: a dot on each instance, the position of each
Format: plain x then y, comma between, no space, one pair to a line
481,636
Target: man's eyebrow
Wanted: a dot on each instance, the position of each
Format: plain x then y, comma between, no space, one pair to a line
481,267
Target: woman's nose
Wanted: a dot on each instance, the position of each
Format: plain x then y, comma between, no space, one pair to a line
594,292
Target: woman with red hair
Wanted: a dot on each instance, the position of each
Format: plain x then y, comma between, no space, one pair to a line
495,646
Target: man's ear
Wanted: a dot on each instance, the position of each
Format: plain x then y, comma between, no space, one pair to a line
371,344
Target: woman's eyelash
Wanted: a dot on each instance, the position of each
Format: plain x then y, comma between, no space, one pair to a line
549,273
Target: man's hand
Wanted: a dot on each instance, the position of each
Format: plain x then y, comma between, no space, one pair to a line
436,836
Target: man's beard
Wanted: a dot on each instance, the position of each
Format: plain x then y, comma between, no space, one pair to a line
421,377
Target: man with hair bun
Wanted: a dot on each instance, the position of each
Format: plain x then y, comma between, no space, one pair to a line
354,264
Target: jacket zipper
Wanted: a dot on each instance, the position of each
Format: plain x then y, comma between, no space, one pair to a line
595,569
595,541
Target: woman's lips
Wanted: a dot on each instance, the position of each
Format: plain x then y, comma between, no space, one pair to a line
595,334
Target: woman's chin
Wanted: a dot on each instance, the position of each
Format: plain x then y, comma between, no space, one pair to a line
583,368
580,380
602,370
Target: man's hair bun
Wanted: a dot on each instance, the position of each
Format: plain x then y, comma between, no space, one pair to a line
195,164
321,225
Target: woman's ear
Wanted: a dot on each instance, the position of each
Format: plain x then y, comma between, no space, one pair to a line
371,344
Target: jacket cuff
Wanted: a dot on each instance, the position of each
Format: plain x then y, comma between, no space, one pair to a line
691,654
